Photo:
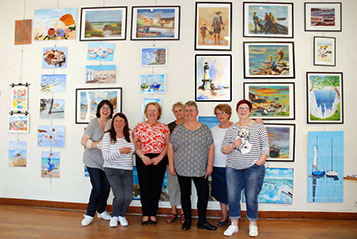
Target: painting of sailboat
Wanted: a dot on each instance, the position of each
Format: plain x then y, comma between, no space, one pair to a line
152,83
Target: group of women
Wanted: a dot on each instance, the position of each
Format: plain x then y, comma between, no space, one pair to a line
234,153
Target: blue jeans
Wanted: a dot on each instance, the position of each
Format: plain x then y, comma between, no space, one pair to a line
251,180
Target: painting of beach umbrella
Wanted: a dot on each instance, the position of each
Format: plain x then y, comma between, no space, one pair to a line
17,153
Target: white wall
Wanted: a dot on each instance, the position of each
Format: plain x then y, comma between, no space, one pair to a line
71,186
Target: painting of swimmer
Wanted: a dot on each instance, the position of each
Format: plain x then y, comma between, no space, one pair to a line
50,136
50,164
19,98
100,51
324,98
17,153
154,56
101,74
52,108
269,60
53,83
282,142
152,83
324,51
18,123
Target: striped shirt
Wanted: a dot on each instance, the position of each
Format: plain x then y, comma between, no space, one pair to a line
258,138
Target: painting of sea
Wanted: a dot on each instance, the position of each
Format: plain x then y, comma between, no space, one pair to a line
50,164
281,141
152,83
323,16
52,108
54,57
18,123
154,56
17,153
19,98
50,136
23,31
100,51
101,74
53,83
210,121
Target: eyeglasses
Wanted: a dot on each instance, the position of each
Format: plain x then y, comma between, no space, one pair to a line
190,111
221,113
105,108
243,108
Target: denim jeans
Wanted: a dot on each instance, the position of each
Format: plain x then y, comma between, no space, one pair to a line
251,180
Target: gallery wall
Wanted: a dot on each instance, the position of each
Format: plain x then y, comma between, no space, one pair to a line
22,63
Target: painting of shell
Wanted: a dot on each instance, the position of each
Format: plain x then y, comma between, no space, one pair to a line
54,57
100,51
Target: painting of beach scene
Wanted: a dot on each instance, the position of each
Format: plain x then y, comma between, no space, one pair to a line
50,164
155,23
268,20
19,97
324,97
100,73
50,136
268,60
210,121
152,83
18,123
23,31
17,153
100,51
323,16
53,83
154,56
103,23
325,166
55,24
281,141
324,51
54,57
52,108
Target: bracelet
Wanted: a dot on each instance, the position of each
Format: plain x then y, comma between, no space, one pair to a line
230,146
142,156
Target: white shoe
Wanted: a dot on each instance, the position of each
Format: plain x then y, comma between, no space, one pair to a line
113,222
87,220
104,215
123,221
231,230
253,231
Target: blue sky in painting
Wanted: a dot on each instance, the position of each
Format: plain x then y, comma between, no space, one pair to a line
104,15
155,12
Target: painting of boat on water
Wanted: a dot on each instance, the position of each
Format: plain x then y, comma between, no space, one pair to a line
50,136
154,56
281,141
18,123
52,108
50,164
323,16
325,166
324,97
53,83
152,83
100,74
17,153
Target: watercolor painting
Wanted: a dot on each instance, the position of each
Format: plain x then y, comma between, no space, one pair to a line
152,83
101,74
18,123
324,97
155,23
103,23
50,136
53,83
100,51
324,51
281,141
271,100
323,16
55,24
23,31
19,97
210,121
154,56
52,108
213,26
54,57
17,153
50,164
268,20
325,166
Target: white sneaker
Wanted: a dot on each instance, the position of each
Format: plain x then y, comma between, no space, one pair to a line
86,220
113,222
104,215
231,230
253,231
123,221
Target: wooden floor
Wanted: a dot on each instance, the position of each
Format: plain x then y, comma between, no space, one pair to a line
30,222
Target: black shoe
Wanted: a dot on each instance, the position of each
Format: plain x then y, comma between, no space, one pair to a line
206,225
222,223
145,223
153,222
186,225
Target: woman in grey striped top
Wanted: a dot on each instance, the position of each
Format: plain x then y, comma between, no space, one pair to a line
247,147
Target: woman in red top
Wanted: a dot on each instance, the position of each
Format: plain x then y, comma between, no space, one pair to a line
151,139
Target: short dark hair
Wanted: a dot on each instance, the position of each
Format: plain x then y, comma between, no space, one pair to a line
244,101
100,105
113,134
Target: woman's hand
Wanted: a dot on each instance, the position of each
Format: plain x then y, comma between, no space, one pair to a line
261,160
125,150
172,170
209,171
146,160
237,143
156,160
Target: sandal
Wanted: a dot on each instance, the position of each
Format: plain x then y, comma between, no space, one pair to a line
171,218
182,218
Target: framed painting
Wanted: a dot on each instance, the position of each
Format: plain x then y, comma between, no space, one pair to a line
100,74
323,16
271,101
152,83
19,97
23,31
98,51
269,60
210,121
155,23
324,51
50,136
281,141
50,164
18,123
324,93
87,100
54,57
53,83
17,153
52,108
213,81
103,24
153,56
213,28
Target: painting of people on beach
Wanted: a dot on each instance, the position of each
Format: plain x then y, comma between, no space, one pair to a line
324,51
152,83
269,60
268,20
103,23
52,108
100,73
281,141
50,164
100,51
54,57
155,23
323,16
18,123
23,31
53,83
55,24
325,166
213,26
153,56
17,153
50,136
324,97
210,121
19,97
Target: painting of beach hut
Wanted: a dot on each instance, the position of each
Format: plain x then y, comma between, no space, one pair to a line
101,74
324,51
100,51
213,81
53,83
323,16
18,123
271,100
52,108
324,98
154,56
325,166
281,141
54,57
55,24
268,20
210,121
87,100
50,164
19,97
152,83
155,23
103,23
213,27
17,153
23,31
269,60
50,136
